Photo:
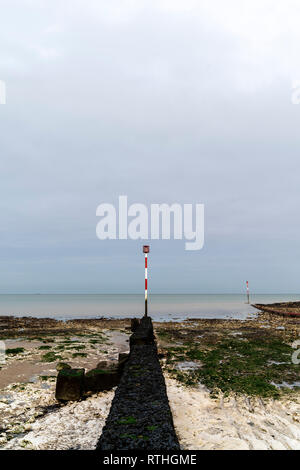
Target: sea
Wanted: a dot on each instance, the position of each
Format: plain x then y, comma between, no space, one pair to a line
161,307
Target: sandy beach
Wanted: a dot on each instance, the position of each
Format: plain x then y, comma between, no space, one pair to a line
207,412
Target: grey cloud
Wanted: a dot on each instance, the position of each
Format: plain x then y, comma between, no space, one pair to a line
164,104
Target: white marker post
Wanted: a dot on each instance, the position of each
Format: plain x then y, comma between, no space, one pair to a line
146,250
248,296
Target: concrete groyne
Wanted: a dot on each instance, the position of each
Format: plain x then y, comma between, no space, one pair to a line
140,416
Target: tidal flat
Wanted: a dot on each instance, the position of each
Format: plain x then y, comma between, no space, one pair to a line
231,384
30,416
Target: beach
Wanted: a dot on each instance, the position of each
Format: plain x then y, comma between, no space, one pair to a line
231,384
260,420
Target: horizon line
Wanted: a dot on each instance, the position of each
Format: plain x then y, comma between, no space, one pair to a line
152,293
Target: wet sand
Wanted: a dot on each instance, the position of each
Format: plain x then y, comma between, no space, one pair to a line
20,370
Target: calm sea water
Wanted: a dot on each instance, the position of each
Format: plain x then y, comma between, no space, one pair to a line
161,307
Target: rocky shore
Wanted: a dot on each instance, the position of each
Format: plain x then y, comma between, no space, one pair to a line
230,383
30,416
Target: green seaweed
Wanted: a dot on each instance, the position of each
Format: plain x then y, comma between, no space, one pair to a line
127,420
50,357
78,354
14,351
71,372
240,365
151,428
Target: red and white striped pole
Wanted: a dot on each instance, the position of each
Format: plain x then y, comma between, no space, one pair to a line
146,250
248,296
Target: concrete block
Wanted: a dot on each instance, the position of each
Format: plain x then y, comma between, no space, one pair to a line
69,384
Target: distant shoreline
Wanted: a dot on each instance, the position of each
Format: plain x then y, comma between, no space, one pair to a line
162,307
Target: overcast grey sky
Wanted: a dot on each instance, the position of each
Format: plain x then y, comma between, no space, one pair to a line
164,101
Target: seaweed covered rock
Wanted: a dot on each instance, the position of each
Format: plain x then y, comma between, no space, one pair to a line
135,322
70,384
63,365
107,365
123,358
97,380
143,334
